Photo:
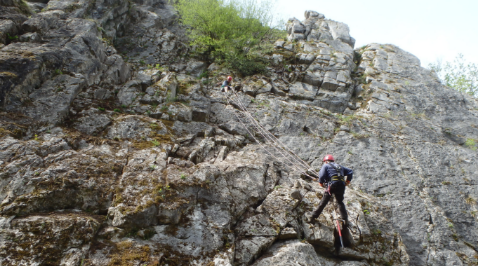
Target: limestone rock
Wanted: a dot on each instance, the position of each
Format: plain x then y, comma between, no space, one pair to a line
61,238
328,60
247,249
112,151
291,252
93,121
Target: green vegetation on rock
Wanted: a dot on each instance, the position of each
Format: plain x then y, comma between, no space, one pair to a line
470,143
231,32
459,75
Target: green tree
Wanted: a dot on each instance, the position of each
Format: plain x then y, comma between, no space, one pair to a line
228,31
459,75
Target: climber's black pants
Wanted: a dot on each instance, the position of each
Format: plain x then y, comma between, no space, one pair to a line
337,189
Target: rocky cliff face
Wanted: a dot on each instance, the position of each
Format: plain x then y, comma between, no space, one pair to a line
116,149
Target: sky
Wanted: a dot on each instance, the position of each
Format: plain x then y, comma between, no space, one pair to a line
430,30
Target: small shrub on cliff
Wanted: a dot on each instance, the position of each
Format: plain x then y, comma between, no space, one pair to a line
231,32
459,75
246,66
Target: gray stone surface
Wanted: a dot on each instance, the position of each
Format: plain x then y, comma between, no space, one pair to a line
292,252
113,152
48,235
49,75
327,61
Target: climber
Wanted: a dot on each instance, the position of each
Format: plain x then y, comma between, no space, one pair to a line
332,178
226,85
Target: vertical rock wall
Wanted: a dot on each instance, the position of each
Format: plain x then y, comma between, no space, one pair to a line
116,150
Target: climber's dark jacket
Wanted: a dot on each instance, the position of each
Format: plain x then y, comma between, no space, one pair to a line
226,84
328,171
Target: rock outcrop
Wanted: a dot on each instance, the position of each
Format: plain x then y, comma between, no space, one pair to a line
325,59
117,149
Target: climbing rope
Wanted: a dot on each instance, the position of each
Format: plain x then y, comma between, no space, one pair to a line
257,129
259,142
269,135
273,141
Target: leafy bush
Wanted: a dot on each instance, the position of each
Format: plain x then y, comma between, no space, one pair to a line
459,75
246,66
229,31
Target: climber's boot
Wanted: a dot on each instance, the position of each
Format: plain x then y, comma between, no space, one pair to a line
309,218
345,223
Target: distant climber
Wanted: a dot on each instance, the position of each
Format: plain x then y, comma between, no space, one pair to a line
332,178
226,85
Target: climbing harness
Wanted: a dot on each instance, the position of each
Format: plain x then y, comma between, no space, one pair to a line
336,178
340,176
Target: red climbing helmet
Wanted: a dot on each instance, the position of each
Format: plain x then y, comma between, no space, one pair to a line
229,78
328,157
